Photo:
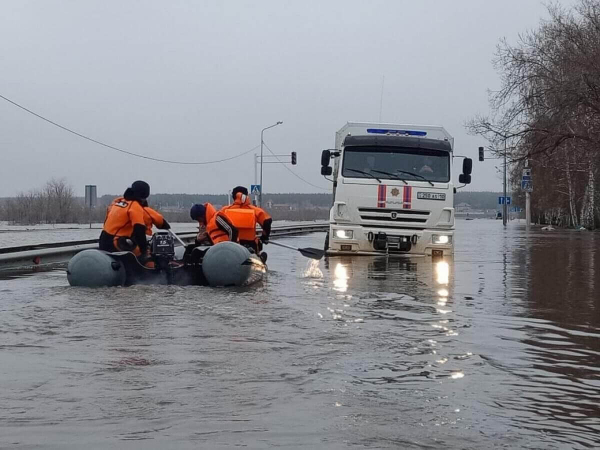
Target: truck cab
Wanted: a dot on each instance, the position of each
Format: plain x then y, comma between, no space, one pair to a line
393,190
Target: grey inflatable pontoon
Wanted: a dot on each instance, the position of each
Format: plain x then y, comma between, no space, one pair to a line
223,264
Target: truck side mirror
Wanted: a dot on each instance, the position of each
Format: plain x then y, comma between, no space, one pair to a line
467,166
464,179
325,157
326,170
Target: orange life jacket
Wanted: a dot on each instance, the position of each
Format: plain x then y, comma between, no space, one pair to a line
245,216
215,233
244,220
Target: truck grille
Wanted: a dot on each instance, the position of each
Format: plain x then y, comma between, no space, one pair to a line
394,216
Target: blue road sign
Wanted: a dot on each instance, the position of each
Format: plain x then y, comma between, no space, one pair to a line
501,200
527,185
255,188
526,178
508,200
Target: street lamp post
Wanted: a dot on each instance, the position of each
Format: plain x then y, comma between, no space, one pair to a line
261,161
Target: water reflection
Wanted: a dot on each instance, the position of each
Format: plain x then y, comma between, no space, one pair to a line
498,346
341,278
442,271
538,329
559,334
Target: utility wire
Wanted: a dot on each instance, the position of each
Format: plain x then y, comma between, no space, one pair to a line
137,155
292,172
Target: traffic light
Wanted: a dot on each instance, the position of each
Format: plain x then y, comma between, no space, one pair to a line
293,158
481,158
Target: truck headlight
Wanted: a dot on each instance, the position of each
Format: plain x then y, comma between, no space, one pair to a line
441,239
344,234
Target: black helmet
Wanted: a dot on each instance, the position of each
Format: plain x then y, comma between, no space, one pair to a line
237,189
139,190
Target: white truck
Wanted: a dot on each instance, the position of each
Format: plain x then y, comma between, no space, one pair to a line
392,190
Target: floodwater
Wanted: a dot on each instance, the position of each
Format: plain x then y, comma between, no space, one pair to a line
496,348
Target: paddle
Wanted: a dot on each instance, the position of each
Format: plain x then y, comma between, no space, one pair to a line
309,252
177,237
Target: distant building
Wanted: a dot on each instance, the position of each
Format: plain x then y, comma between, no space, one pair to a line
463,207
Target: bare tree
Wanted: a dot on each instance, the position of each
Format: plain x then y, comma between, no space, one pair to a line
548,111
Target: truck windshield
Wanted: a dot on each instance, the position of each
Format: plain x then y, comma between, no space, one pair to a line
399,163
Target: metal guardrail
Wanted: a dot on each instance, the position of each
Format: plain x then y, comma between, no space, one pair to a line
41,255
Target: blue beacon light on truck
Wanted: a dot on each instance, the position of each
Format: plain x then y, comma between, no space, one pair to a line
402,132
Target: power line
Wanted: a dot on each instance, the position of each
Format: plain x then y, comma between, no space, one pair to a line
292,172
137,155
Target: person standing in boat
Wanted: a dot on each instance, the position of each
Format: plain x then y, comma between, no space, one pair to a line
127,220
244,216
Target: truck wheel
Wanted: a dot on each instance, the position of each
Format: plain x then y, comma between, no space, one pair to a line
326,245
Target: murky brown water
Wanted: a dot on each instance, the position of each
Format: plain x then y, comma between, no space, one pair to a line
497,348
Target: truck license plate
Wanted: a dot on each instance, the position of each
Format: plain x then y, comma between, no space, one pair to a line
431,196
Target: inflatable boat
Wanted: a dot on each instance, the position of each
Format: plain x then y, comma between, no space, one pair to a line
223,264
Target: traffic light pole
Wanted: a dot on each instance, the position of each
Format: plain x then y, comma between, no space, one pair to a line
258,158
262,143
504,206
255,175
504,182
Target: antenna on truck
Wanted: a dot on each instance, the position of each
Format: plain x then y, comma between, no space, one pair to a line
381,99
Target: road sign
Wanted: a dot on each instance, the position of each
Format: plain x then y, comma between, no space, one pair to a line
526,178
255,188
508,200
527,185
91,199
501,200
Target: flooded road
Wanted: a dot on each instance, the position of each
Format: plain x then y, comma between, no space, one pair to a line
496,348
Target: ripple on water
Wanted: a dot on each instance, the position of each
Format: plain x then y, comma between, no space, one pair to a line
497,347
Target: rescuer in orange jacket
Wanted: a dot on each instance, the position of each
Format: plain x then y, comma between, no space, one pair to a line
126,221
245,216
214,227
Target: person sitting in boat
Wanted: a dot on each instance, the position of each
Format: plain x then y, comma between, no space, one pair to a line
213,226
126,222
244,216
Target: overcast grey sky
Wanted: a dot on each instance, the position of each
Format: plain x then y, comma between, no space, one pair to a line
198,80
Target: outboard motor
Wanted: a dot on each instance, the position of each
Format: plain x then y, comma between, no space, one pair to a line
163,249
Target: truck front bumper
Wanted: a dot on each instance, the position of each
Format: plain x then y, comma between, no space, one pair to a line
359,240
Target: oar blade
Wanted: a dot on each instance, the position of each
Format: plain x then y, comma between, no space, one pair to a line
313,253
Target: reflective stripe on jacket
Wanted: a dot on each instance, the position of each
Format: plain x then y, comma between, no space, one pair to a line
218,226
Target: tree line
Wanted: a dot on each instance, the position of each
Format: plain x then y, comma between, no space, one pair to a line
546,114
56,202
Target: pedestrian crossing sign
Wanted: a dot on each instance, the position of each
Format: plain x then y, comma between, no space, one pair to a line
255,189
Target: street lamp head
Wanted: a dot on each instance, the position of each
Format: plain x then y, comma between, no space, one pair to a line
280,122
